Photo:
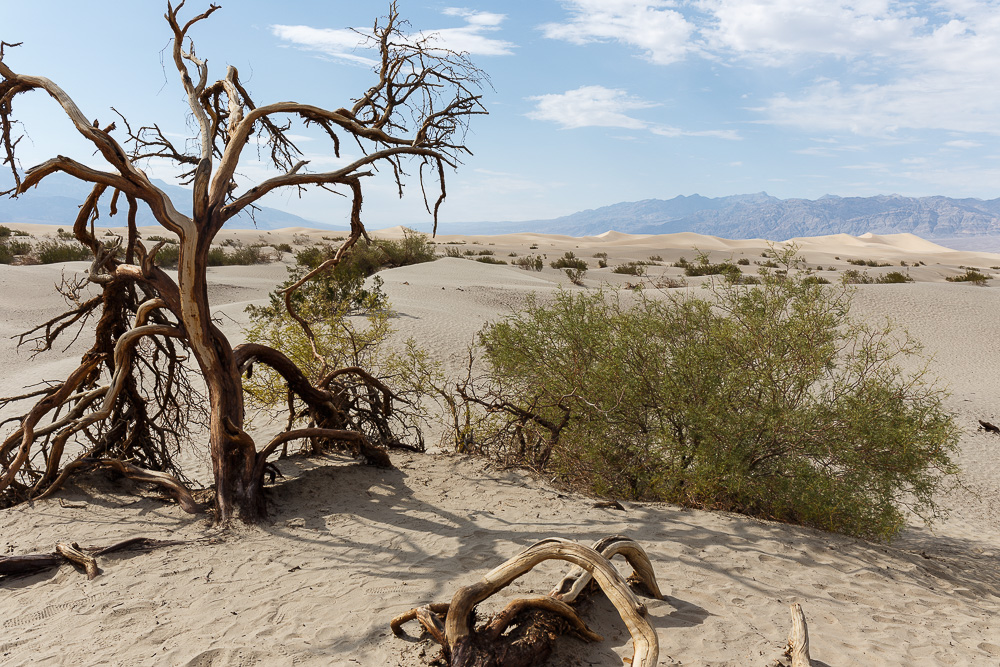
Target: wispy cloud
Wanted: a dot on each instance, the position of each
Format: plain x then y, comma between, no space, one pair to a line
597,106
354,45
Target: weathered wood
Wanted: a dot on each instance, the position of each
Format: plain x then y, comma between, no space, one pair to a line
579,578
796,651
538,621
18,566
72,553
798,638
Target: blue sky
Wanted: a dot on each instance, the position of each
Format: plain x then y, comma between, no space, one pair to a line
593,101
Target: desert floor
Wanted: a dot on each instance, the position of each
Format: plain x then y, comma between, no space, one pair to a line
352,546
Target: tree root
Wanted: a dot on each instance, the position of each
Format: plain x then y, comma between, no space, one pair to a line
524,632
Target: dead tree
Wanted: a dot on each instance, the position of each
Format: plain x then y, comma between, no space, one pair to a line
523,633
415,113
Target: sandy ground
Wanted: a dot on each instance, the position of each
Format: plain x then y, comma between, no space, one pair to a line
352,546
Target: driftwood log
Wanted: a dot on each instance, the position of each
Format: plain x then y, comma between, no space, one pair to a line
535,623
85,558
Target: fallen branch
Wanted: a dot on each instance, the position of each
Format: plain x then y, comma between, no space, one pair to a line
20,566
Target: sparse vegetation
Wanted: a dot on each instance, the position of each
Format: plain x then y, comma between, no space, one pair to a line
970,276
701,266
768,400
49,251
630,269
575,275
487,259
855,277
530,263
569,261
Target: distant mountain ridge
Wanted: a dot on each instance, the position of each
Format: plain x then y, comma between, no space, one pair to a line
763,216
56,201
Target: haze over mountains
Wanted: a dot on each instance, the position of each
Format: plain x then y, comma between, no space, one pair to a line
762,216
57,199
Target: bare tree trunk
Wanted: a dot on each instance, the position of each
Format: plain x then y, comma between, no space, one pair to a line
237,493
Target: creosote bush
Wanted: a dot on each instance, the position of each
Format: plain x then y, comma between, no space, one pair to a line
970,276
768,400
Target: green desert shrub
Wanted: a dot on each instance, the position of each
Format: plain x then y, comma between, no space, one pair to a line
351,328
768,400
701,266
569,261
5,231
49,251
575,276
344,284
630,269
487,259
970,276
855,277
530,263
168,255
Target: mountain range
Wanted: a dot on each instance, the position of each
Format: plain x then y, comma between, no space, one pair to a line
763,216
57,199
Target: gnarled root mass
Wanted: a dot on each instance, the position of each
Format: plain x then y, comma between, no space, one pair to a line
523,633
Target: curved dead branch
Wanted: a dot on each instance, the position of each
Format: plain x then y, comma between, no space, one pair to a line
578,578
541,618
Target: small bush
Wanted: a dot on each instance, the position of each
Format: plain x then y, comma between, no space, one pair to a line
630,269
283,247
53,252
855,277
452,252
743,261
655,258
602,263
569,261
575,275
703,267
487,259
168,255
868,262
894,277
5,231
970,276
485,252
601,255
157,239
530,263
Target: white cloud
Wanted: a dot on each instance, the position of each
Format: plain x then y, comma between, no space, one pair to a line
340,44
345,44
660,32
597,106
773,31
590,106
962,143
899,65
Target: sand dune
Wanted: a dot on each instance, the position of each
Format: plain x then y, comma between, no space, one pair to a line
351,546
